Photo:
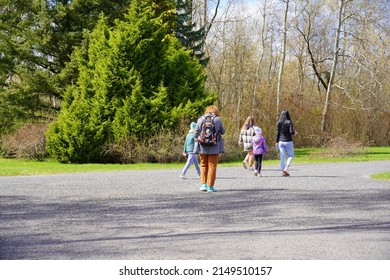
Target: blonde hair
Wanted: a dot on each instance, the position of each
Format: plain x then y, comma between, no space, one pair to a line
212,109
250,121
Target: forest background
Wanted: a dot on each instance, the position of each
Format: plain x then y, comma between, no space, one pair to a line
120,80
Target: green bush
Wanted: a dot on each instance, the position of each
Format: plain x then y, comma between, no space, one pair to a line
136,80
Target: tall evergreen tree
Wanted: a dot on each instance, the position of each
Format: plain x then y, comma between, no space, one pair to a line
37,38
135,79
191,36
81,127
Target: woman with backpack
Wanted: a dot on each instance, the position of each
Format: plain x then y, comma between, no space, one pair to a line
209,144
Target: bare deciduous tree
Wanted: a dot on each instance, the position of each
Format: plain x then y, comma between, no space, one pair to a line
282,59
334,75
336,50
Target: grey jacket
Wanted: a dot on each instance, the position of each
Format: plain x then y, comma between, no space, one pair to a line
210,150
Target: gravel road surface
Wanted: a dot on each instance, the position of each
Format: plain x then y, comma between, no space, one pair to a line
323,211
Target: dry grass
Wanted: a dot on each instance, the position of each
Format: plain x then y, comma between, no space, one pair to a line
341,147
28,142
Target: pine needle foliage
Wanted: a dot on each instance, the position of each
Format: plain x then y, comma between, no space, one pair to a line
136,79
191,36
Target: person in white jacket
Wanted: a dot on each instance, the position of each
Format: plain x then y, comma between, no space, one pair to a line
246,134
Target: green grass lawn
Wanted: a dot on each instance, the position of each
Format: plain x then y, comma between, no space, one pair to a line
381,176
15,167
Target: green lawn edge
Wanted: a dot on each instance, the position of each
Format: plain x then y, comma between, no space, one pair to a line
381,176
18,167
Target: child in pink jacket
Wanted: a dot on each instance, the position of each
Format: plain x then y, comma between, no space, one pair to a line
259,148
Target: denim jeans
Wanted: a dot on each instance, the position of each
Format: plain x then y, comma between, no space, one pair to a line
192,158
286,148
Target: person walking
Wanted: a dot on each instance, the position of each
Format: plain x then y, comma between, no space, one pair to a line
188,151
284,132
246,134
259,148
209,144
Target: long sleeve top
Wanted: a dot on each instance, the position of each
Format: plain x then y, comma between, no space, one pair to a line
214,149
189,144
284,131
246,138
259,145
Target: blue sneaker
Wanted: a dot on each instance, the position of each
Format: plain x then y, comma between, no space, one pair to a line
203,188
211,189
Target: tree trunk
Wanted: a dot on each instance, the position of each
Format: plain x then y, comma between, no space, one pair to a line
283,58
336,49
260,61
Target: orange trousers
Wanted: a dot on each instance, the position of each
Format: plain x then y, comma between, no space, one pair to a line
208,169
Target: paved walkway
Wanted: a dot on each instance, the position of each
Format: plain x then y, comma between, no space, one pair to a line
323,211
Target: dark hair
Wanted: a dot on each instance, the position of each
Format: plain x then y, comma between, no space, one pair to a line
284,116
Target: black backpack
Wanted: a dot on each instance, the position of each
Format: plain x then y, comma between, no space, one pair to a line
208,135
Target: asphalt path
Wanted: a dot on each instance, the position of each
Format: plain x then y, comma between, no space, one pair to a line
323,211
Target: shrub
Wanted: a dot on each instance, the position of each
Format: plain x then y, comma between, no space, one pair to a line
26,142
341,146
164,147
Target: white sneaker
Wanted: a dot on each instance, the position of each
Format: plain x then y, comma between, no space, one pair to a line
251,168
183,176
244,164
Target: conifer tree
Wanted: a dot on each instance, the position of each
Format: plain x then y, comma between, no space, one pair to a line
135,79
37,38
81,128
191,36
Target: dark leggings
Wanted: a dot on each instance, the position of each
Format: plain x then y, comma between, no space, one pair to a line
258,159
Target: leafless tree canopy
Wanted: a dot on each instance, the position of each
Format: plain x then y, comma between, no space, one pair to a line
326,61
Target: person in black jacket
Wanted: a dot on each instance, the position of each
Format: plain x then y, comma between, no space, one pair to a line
284,132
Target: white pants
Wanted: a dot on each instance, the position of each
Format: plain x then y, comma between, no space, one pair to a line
286,148
192,158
